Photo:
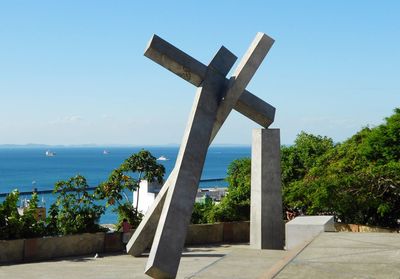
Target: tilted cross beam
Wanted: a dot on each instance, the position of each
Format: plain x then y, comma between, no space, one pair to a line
193,71
214,100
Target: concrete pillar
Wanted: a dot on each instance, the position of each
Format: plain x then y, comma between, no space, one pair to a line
266,220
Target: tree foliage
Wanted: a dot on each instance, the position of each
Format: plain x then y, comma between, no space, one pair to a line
357,180
299,158
235,206
125,179
13,225
201,211
76,209
145,166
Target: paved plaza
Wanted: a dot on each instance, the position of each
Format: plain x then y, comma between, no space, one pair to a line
330,255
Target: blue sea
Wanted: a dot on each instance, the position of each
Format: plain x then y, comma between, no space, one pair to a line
26,168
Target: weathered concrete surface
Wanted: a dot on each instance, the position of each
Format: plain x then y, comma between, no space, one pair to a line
236,232
207,116
146,230
160,50
193,71
171,231
14,251
341,227
244,72
54,247
113,242
263,114
266,220
205,234
242,262
347,255
47,248
330,255
305,228
227,232
255,109
11,250
220,261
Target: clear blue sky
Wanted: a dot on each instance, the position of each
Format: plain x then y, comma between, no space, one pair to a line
73,72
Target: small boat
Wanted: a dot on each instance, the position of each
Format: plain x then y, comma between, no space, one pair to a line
50,153
162,158
105,152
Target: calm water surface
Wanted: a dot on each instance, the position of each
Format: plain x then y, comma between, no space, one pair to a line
27,168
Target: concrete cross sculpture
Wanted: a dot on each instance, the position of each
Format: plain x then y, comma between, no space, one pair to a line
168,218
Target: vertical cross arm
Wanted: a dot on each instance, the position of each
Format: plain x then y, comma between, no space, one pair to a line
220,65
170,235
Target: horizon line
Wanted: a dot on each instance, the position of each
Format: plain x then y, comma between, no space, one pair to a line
39,145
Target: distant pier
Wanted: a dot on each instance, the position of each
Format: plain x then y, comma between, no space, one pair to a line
26,193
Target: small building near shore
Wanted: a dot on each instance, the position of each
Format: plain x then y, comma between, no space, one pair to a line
147,194
149,191
216,194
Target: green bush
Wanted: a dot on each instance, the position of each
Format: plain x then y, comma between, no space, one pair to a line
76,209
13,225
358,180
127,177
235,206
201,211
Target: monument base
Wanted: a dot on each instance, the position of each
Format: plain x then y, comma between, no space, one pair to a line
303,229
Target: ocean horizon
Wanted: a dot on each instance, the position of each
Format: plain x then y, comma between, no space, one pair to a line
25,167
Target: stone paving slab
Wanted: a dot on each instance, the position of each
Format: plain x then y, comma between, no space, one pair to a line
242,263
347,255
194,259
330,255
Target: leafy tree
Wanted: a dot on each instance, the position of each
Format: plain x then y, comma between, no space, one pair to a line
75,207
10,226
75,210
235,206
13,225
357,180
299,158
201,211
382,143
127,177
114,191
51,220
31,225
146,167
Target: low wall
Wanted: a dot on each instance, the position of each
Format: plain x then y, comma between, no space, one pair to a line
340,227
231,232
46,248
63,246
11,250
